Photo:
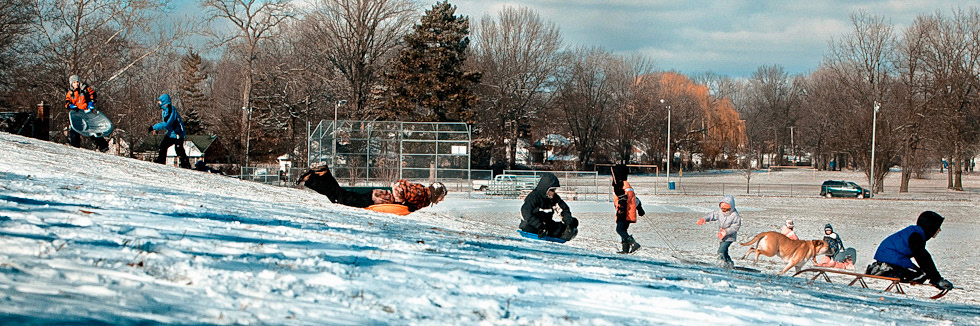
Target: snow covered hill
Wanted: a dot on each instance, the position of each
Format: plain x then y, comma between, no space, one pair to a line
87,237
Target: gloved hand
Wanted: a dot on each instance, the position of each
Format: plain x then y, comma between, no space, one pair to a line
73,107
721,234
944,284
91,105
701,221
149,129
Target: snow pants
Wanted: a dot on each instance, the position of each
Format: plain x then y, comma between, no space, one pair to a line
178,148
75,139
622,228
323,182
723,252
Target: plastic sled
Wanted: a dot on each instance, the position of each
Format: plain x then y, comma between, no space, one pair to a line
530,235
389,208
91,124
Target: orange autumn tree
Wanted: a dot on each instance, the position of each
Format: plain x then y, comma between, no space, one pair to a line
700,122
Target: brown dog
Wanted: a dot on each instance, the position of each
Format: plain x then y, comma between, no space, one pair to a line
794,252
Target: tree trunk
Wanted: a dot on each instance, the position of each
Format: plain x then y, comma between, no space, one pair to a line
907,158
958,178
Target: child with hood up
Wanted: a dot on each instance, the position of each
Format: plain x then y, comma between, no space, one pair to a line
627,207
729,221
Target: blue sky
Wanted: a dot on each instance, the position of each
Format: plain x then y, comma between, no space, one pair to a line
726,37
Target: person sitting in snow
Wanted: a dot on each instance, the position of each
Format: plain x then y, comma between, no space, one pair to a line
411,195
895,253
837,255
787,230
539,207
729,221
627,207
201,166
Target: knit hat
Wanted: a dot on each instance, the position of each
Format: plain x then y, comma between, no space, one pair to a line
72,79
789,224
828,227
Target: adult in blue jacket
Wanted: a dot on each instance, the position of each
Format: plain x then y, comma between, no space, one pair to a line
175,133
895,253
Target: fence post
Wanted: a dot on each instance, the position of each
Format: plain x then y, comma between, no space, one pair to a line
41,129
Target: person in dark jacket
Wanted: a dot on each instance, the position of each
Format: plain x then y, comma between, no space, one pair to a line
627,207
175,132
539,207
82,97
414,196
895,253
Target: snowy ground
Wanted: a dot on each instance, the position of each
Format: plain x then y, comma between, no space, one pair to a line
87,237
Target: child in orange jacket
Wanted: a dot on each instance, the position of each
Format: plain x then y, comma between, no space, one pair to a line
627,207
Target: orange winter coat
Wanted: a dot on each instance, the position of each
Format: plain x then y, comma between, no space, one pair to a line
80,97
626,204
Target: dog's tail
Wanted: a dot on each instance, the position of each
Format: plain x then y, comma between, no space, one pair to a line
754,240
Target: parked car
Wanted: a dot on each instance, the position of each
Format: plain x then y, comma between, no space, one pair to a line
836,188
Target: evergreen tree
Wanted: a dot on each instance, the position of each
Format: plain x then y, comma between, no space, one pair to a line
428,81
192,94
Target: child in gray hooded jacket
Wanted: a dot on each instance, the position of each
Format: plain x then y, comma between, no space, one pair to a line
729,221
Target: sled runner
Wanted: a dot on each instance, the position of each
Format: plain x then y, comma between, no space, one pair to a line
895,284
90,124
389,208
530,235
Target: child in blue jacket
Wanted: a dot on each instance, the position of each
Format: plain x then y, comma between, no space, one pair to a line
175,133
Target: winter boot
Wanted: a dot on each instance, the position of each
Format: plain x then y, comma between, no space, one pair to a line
626,248
633,245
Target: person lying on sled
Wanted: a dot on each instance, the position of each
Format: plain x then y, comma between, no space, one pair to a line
412,195
539,207
895,253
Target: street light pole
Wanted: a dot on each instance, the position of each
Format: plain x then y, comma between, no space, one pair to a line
669,156
333,160
874,125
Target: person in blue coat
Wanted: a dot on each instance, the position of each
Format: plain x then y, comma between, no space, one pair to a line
895,253
175,132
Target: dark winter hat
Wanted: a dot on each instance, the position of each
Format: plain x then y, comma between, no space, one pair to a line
828,227
930,222
620,172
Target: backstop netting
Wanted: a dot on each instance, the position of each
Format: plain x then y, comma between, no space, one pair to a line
377,153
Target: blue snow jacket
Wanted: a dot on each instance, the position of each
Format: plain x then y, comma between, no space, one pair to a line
171,119
899,248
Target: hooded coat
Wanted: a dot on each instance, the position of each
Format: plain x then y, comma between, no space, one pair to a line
899,248
730,221
538,209
171,119
626,203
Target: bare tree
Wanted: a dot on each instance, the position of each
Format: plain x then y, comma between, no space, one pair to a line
912,87
633,102
360,37
952,64
252,22
862,62
517,52
582,90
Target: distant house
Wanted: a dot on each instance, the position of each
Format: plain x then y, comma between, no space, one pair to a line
553,148
197,147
